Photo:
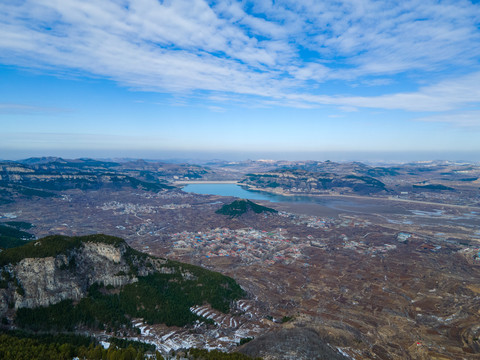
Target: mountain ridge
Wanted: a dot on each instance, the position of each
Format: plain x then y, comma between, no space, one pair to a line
61,275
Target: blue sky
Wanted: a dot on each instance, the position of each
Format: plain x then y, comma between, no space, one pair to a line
355,79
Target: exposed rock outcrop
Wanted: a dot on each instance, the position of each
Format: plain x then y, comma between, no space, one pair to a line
40,281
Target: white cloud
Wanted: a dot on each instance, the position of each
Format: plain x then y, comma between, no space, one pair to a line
390,37
468,119
377,82
311,71
443,96
256,48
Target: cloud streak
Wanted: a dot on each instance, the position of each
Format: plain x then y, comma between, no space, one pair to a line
10,108
467,119
444,96
288,52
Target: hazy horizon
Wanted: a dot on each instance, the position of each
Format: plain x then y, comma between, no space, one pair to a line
193,157
241,77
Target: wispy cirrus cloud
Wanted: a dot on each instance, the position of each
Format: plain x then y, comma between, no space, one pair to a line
285,52
10,108
467,119
444,96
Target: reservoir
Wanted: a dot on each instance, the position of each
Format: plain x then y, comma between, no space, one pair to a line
231,190
389,211
338,204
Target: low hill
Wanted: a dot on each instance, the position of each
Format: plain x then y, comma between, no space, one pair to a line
432,187
65,283
291,343
12,234
240,207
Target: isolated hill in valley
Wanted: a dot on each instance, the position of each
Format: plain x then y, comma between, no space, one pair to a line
240,207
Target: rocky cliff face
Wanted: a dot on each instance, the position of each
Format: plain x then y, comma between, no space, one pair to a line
301,181
44,283
60,174
33,281
63,175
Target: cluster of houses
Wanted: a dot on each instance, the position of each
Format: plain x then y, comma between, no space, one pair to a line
250,245
472,254
364,249
308,221
120,208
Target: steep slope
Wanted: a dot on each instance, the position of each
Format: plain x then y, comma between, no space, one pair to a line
98,281
12,234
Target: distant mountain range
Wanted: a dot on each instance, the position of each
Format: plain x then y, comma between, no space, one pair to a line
46,176
327,177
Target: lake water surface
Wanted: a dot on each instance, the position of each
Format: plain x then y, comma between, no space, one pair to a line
332,206
228,190
348,205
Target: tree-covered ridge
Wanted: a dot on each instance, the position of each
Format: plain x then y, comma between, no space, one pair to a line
156,298
52,246
159,290
18,345
12,234
19,224
432,187
240,207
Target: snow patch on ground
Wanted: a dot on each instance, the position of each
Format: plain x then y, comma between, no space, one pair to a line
224,335
341,351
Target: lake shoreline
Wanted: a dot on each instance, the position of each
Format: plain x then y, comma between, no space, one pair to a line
185,182
276,196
